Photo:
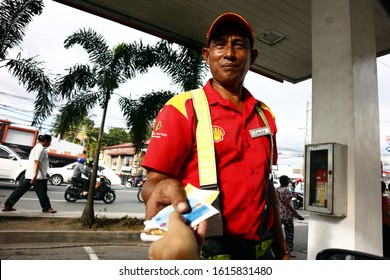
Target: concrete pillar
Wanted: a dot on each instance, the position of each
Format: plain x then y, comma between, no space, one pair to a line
345,110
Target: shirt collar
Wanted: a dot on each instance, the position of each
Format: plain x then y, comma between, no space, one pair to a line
214,97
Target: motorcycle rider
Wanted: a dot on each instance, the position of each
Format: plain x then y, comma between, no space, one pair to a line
80,170
88,167
139,176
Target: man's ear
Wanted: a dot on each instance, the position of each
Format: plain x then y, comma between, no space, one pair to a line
206,55
254,54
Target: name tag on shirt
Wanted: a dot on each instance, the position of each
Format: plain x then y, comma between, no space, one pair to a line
258,132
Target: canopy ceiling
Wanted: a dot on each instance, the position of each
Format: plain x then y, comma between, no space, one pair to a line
186,22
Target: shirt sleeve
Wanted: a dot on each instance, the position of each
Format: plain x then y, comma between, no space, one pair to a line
172,138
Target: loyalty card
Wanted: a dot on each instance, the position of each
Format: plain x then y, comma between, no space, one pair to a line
201,209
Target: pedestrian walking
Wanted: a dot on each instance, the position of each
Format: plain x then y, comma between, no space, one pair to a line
37,175
287,212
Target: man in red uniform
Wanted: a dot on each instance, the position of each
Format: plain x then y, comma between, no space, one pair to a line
242,157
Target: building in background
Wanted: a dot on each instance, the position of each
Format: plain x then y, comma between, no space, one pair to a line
60,152
122,159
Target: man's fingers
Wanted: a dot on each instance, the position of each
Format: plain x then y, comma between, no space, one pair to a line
166,192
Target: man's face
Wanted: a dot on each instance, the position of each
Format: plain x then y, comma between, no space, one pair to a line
229,55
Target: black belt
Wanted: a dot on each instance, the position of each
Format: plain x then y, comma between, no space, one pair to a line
230,248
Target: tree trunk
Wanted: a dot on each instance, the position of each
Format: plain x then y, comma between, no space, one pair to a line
88,216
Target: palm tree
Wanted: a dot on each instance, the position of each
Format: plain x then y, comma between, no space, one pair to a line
187,69
15,15
139,114
88,85
80,133
185,66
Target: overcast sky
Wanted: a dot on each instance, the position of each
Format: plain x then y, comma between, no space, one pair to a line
290,103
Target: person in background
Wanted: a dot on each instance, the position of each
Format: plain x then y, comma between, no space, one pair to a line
88,171
287,212
385,221
78,172
244,132
37,175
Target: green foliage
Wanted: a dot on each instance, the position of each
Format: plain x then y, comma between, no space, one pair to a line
74,112
79,78
185,66
32,77
116,135
94,44
15,15
88,85
130,221
140,113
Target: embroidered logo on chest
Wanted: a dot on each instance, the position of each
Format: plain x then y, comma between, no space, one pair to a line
218,133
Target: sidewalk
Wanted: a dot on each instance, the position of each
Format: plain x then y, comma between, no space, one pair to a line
57,236
50,238
67,214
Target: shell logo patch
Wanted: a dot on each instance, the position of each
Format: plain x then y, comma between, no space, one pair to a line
158,126
218,133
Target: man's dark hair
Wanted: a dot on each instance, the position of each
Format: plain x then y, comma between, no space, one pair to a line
383,186
45,137
284,180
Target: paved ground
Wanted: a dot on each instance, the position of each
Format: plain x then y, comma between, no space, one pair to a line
76,245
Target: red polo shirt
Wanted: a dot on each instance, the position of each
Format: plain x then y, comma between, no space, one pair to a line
242,161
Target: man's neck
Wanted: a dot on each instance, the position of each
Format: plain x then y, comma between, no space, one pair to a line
233,94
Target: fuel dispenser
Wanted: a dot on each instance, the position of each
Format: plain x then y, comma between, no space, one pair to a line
325,179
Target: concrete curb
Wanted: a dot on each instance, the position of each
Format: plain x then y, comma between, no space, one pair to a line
85,237
52,236
68,214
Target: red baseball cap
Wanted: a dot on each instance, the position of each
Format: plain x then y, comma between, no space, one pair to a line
230,17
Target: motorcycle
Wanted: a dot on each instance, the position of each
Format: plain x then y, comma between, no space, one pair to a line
297,200
136,182
74,192
139,196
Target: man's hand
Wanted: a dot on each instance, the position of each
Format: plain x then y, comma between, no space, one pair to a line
180,242
33,180
163,193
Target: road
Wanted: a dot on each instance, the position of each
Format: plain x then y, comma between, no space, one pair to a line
126,200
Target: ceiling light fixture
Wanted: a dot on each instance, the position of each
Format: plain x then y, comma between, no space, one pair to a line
271,37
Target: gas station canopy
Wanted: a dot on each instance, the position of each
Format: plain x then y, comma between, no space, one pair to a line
282,27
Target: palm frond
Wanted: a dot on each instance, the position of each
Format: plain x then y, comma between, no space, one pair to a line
145,57
79,77
31,75
185,66
133,58
140,113
122,61
74,112
93,43
43,107
15,15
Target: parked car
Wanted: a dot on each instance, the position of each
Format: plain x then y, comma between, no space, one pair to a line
13,164
64,174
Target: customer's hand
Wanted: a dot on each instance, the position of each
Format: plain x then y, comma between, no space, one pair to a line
166,192
180,242
300,218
